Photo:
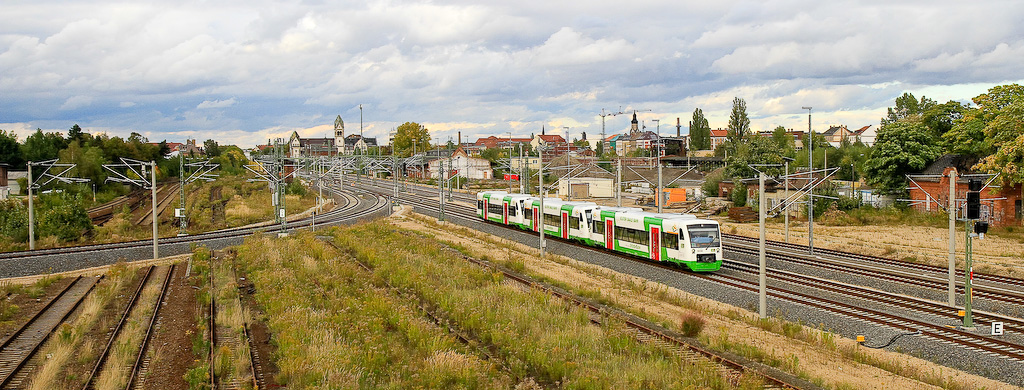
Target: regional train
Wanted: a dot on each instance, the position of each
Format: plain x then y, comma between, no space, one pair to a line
681,239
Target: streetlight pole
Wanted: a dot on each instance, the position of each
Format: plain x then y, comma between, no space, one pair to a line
810,178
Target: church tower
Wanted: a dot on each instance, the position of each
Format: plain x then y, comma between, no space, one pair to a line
634,125
339,135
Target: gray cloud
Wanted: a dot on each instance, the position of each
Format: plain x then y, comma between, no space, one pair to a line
269,67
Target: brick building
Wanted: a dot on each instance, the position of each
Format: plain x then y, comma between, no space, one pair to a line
1000,206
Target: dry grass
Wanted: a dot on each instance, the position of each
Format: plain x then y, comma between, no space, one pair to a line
69,344
118,366
815,352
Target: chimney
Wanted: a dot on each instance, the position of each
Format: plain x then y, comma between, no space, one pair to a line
460,137
678,128
541,129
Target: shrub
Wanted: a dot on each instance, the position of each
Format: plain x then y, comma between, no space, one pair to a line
691,324
14,220
739,195
63,216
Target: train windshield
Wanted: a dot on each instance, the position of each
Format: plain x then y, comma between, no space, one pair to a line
703,236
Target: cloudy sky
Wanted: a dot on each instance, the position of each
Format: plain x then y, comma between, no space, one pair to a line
241,71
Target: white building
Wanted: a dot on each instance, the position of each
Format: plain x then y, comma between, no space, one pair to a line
463,165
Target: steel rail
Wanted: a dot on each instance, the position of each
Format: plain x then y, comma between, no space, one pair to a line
137,366
48,330
802,250
117,330
938,332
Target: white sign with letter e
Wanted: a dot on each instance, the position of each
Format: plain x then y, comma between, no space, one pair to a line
997,328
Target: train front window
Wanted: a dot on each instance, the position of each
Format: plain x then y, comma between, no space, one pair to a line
703,236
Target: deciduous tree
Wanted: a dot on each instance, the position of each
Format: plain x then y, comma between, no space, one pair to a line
410,137
901,147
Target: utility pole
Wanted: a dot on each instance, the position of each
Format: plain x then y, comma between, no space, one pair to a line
31,213
952,238
762,264
46,178
156,250
661,196
139,178
785,207
540,215
810,177
618,181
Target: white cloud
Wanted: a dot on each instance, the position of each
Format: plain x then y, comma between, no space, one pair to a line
216,103
76,102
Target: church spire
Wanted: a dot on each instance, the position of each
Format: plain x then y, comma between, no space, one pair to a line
634,125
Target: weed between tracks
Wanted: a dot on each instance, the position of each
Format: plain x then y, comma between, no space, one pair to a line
338,326
510,254
71,354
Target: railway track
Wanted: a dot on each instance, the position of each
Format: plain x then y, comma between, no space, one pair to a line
160,276
1008,296
919,305
223,336
801,251
18,350
942,333
129,308
731,366
352,206
898,319
137,378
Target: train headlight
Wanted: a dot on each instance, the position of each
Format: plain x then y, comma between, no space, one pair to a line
693,251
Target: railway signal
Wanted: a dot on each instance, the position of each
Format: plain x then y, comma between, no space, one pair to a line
46,177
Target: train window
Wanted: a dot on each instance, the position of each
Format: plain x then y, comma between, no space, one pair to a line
632,235
480,205
669,240
528,215
598,228
552,220
703,236
512,210
574,223
494,209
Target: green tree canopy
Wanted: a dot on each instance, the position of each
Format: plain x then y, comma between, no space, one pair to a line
739,123
901,147
700,131
784,141
10,150
757,150
43,146
211,148
410,137
75,133
907,106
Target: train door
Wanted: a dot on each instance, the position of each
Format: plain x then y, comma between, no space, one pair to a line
609,233
565,224
504,212
487,202
536,219
655,243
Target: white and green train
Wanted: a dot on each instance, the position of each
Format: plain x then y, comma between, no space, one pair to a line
681,239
